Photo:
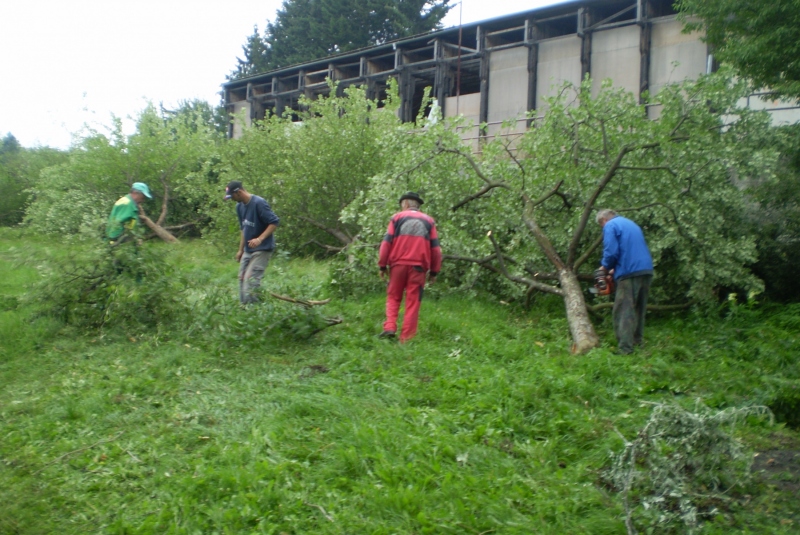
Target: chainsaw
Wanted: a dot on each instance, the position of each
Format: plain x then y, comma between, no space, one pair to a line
603,282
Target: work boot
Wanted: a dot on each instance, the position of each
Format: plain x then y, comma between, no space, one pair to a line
387,334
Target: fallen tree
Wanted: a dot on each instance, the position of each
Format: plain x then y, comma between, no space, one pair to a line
523,207
164,152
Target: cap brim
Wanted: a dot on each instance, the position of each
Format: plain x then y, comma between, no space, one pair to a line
226,198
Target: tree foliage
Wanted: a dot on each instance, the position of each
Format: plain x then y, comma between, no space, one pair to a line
524,207
681,467
308,170
164,149
773,216
760,39
19,170
310,29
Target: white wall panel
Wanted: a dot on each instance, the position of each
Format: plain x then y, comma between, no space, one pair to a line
674,56
508,87
559,62
615,55
238,127
468,106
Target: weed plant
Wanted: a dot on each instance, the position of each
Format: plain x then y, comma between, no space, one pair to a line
485,423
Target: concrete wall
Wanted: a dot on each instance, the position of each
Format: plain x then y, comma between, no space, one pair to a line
241,111
559,62
468,106
615,55
780,111
674,56
508,88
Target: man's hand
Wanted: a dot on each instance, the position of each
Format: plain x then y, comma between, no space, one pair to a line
255,242
431,278
239,256
383,273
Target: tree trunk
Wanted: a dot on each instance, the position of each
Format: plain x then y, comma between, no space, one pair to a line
580,326
159,231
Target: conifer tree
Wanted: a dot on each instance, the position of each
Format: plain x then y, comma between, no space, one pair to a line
309,29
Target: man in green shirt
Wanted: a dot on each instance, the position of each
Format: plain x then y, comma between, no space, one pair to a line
125,214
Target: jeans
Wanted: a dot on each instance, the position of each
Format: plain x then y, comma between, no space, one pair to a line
630,305
251,271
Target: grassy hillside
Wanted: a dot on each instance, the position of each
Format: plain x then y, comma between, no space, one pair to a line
483,424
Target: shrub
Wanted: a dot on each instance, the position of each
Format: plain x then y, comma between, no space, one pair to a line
126,285
681,466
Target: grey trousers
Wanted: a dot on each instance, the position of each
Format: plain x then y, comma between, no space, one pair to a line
251,271
630,305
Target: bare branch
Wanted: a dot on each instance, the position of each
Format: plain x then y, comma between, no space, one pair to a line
539,275
306,303
653,308
417,166
329,248
521,280
541,238
483,191
184,225
472,163
587,211
540,200
483,262
336,233
585,256
654,168
516,161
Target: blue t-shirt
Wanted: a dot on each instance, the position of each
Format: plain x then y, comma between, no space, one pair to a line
624,249
254,218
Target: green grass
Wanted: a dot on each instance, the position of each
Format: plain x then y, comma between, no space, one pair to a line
483,424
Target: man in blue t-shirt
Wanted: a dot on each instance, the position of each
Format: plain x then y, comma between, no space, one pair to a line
625,254
257,222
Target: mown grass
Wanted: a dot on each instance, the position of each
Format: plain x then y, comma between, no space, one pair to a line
483,424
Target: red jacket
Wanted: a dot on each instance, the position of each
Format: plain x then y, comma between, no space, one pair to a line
411,240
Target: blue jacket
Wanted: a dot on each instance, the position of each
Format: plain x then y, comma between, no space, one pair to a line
624,249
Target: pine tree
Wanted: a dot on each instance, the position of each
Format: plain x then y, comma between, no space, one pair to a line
309,29
256,57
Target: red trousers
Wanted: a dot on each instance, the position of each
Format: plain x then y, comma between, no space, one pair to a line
411,280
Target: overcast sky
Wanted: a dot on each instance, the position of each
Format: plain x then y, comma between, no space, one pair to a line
66,63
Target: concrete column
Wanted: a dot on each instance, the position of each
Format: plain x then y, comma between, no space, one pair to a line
444,79
585,21
484,76
532,38
407,86
643,16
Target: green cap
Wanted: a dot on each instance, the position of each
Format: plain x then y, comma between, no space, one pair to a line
142,188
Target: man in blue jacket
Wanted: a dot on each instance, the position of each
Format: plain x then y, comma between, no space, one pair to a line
256,243
625,254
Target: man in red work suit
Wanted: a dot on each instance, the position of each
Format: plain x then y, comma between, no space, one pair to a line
409,251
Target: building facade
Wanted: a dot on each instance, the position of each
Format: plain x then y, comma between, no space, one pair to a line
500,69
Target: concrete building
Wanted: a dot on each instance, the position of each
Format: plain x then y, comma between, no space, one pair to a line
498,70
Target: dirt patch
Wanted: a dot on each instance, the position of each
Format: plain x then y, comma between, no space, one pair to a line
780,468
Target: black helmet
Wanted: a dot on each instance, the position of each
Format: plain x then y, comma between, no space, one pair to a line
411,195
